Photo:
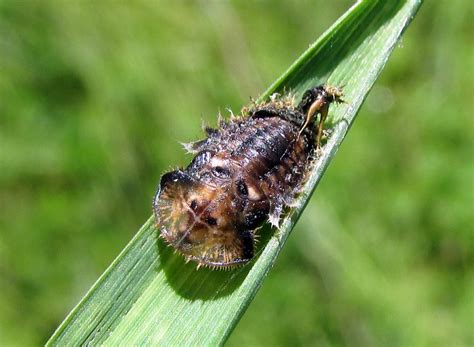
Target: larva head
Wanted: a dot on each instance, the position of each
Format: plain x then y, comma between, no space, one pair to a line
198,220
328,93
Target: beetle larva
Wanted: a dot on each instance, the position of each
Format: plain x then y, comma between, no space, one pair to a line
243,173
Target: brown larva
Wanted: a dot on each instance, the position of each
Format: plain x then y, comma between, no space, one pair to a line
243,173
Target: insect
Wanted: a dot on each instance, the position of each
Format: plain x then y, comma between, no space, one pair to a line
243,173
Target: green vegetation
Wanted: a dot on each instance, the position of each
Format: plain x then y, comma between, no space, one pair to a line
382,253
149,296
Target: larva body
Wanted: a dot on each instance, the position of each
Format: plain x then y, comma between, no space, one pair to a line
243,173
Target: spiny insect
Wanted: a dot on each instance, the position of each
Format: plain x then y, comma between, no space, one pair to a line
246,171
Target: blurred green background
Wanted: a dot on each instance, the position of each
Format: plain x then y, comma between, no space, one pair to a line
95,98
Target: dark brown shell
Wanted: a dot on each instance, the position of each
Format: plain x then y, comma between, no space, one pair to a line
243,173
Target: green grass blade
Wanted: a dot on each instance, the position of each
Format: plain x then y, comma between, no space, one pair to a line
149,295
